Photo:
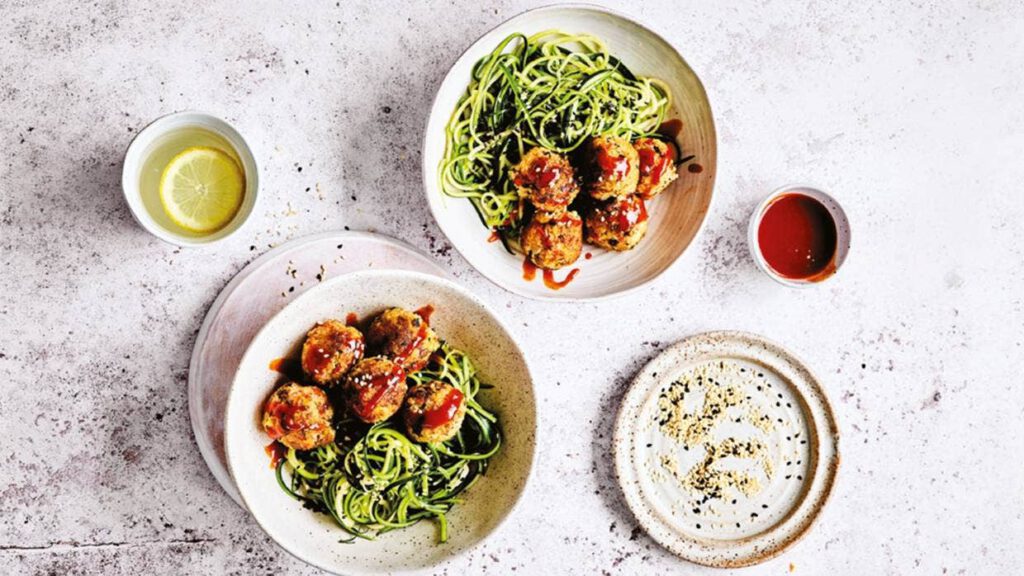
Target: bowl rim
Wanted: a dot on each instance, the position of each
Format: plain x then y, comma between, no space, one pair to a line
430,172
132,194
838,214
528,482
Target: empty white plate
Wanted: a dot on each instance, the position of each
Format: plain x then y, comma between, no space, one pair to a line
726,449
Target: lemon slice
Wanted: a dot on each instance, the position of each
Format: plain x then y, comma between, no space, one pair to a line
201,189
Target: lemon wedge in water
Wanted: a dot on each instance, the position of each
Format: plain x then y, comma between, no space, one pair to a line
201,189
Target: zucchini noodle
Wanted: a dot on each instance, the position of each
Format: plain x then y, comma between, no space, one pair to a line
374,479
551,89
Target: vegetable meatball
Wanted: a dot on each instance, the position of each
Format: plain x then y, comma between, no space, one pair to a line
299,417
374,389
657,169
330,349
404,337
609,167
552,241
617,224
434,412
546,179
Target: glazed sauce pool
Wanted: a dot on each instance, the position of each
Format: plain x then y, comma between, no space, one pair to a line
797,237
671,128
288,367
444,412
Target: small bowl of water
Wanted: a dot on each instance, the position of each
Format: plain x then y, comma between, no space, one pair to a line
154,148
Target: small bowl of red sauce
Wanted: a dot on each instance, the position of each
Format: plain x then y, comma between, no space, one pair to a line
799,236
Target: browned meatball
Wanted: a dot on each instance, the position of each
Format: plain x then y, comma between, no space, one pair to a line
657,167
330,349
299,417
608,167
552,241
404,337
434,412
617,224
374,389
546,179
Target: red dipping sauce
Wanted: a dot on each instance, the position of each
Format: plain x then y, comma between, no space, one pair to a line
797,237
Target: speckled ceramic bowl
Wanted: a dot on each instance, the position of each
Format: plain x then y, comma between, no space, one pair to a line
676,215
466,323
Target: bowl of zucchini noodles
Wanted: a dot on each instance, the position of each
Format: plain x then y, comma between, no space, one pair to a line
378,492
559,86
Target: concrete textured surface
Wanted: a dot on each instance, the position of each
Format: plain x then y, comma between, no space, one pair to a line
911,114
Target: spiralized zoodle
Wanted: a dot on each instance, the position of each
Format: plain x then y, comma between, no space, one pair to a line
552,89
375,480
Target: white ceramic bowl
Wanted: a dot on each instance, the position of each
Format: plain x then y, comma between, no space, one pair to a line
838,216
153,136
676,216
462,320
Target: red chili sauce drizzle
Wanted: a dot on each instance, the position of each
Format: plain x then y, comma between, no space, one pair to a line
318,360
797,237
653,164
444,412
421,335
540,175
425,313
630,212
616,167
695,168
588,255
352,319
529,270
277,452
381,384
550,282
285,414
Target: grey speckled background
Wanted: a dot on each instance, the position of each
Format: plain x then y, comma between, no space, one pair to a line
912,114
